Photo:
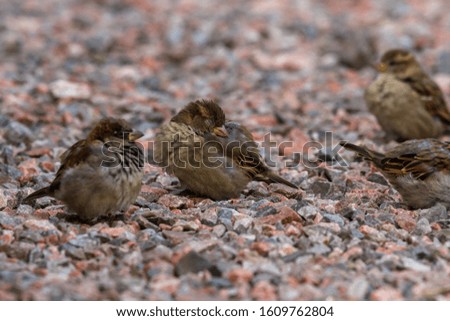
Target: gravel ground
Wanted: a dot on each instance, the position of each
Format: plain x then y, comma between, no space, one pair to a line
296,69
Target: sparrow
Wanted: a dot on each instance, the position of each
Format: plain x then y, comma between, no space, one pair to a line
210,156
101,174
407,103
417,169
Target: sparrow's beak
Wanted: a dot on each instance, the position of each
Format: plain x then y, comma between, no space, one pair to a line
135,135
380,67
220,131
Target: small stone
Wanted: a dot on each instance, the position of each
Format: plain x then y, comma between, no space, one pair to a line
64,89
258,189
240,275
3,199
11,43
220,283
308,212
42,225
356,233
175,202
225,215
242,224
285,190
358,289
192,263
165,283
332,227
167,180
9,196
263,248
99,44
435,213
6,237
157,214
176,237
288,292
264,291
267,266
285,216
266,211
321,188
386,294
319,249
412,264
372,233
292,230
405,221
152,194
20,250
113,232
74,252
16,133
84,241
209,217
187,225
143,222
423,226
334,218
219,230
377,178
31,236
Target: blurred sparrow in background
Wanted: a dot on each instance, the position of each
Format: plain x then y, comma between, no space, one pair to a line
406,101
101,174
418,170
210,157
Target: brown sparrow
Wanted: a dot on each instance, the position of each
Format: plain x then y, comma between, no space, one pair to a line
406,101
101,174
210,157
418,170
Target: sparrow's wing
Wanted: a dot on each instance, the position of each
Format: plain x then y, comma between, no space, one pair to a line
72,156
420,164
432,97
248,158
76,154
244,150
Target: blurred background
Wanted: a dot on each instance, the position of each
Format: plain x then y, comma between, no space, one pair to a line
297,68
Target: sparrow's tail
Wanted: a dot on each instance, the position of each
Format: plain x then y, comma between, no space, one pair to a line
38,194
366,153
271,177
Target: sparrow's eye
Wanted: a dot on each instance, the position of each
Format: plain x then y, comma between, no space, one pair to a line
118,133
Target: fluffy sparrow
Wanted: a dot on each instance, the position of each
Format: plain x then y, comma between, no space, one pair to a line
101,174
418,170
210,157
406,101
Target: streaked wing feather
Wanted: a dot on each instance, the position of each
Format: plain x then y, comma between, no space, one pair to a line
420,165
432,97
71,158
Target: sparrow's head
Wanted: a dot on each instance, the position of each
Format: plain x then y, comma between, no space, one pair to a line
204,116
400,63
113,129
